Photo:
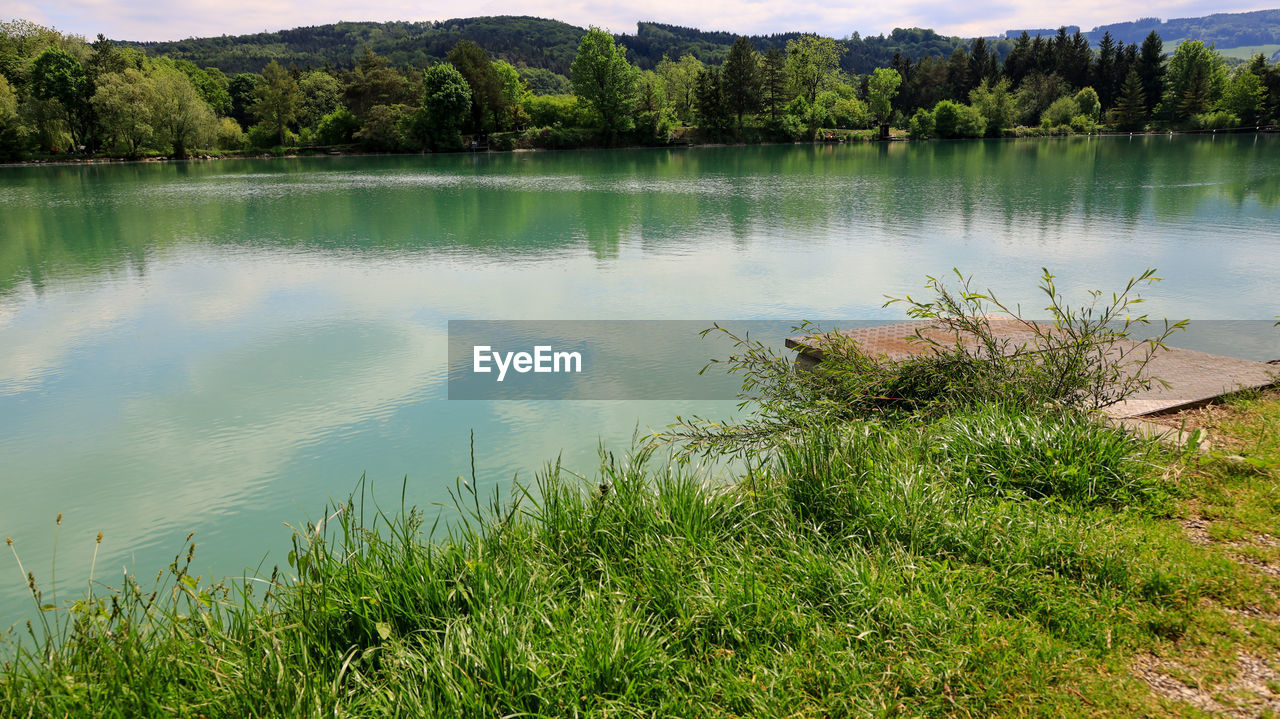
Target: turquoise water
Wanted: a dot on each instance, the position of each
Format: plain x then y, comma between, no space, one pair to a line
221,347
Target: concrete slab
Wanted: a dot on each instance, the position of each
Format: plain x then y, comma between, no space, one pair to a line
1194,377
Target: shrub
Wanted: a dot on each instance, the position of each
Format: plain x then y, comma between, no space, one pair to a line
557,138
503,141
1082,360
1060,112
1088,104
1220,120
337,128
552,110
1083,123
952,120
384,129
229,136
921,125
263,136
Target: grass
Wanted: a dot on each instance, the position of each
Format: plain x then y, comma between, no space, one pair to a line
984,562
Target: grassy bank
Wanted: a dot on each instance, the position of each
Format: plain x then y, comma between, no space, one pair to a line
987,562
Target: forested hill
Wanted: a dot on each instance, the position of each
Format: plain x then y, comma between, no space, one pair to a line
1224,30
528,41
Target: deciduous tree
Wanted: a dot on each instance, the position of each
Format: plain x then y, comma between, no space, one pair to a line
446,105
278,99
604,79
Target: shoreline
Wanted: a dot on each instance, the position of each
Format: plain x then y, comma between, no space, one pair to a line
204,157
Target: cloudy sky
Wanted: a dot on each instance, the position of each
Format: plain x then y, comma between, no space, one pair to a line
152,20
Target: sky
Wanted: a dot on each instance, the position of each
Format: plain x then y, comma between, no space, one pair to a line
177,19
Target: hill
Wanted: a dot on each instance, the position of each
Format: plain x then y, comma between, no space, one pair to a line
530,41
1237,34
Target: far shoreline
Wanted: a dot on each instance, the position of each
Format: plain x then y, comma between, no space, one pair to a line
70,161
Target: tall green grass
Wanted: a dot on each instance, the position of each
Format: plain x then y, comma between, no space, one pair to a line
968,565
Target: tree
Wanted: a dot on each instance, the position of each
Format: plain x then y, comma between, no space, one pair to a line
773,85
59,77
486,89
983,63
180,117
958,83
1195,80
211,90
811,61
714,115
374,82
243,89
652,114
337,128
996,104
679,78
921,125
1072,57
278,99
881,89
604,79
1037,93
1060,112
12,131
446,103
1130,112
951,119
1105,68
1151,69
1244,97
512,91
1088,104
123,101
1269,75
384,128
320,94
742,79
1020,62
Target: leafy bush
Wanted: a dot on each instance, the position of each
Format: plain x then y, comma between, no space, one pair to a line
921,125
1088,104
557,138
337,128
952,120
1081,359
1060,112
1083,123
263,136
229,136
1220,120
384,129
503,141
553,110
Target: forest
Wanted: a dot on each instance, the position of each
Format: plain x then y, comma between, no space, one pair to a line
1224,30
62,94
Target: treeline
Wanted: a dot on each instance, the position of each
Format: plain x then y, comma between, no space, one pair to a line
60,94
1061,84
526,42
1261,27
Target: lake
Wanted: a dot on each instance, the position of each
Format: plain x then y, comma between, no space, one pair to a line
221,347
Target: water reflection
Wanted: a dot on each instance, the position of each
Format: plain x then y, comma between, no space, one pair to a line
221,346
